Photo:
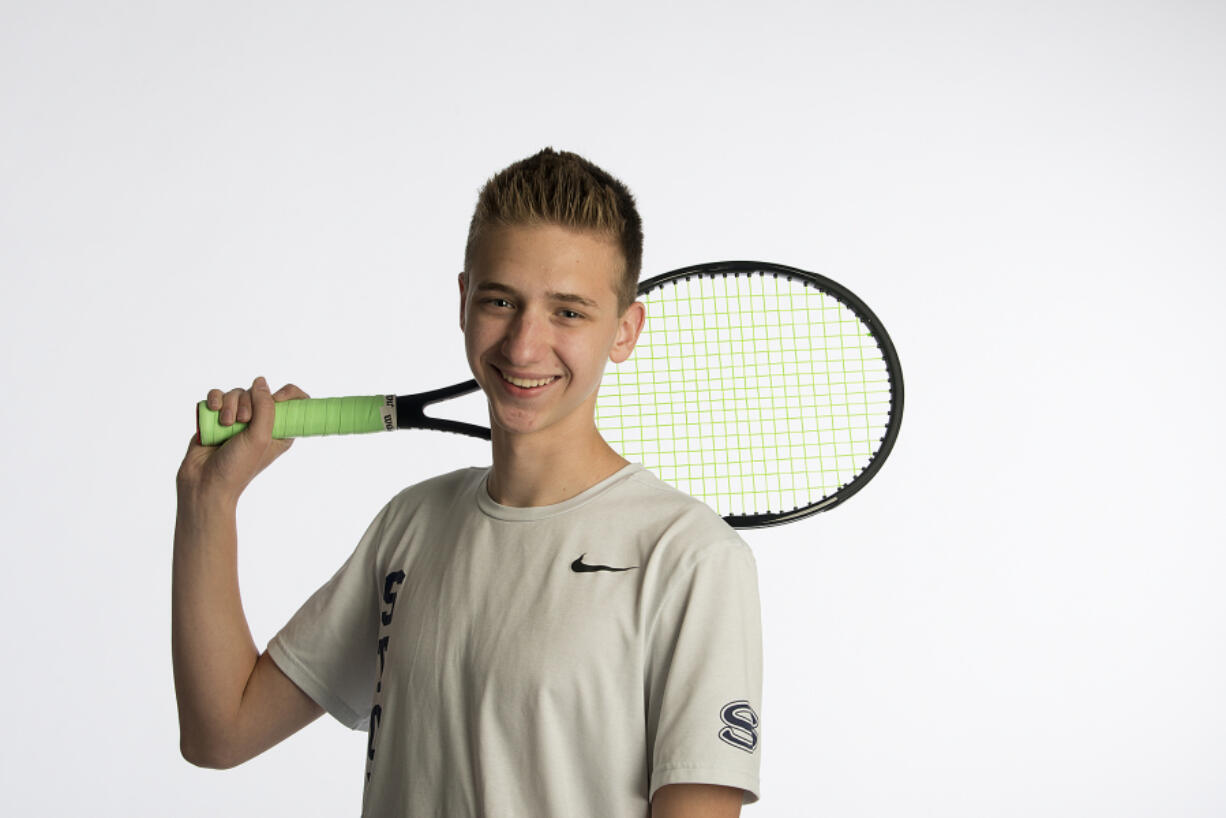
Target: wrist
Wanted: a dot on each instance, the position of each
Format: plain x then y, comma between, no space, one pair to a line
199,499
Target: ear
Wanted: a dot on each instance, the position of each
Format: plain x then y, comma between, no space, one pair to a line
628,328
463,290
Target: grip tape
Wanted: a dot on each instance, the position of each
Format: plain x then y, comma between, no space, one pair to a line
308,417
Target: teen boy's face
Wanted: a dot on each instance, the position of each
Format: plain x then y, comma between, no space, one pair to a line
540,320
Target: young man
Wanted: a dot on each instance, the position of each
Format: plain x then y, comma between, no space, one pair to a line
560,634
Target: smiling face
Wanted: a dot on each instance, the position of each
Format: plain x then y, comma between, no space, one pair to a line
538,307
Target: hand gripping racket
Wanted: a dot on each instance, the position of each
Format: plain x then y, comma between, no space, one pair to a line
768,392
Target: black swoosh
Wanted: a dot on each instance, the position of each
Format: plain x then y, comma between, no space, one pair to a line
579,566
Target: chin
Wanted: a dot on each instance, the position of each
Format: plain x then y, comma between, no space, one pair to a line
513,420
516,427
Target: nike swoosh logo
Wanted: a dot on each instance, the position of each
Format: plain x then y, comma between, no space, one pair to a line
579,566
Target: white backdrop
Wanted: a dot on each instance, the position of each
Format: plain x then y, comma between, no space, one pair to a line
1023,615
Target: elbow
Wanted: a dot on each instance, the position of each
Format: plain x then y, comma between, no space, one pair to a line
193,754
204,755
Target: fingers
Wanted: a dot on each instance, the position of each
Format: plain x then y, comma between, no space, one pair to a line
236,405
240,405
242,413
233,406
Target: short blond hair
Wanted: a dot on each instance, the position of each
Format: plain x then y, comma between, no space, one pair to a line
564,189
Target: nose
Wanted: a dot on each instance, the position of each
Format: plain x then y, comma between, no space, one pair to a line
526,339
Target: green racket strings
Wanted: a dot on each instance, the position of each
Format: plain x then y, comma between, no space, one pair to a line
754,393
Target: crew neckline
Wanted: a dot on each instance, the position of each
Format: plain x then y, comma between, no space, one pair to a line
528,513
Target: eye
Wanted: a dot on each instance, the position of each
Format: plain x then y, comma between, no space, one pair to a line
500,303
570,314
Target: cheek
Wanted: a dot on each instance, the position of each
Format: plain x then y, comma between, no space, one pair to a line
472,342
594,355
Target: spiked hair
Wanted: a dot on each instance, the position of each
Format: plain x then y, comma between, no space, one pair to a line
563,189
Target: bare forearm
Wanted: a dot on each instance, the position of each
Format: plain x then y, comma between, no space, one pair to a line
212,648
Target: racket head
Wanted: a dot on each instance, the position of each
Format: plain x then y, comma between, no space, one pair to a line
769,392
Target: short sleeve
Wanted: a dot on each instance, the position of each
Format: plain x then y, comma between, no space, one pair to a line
704,675
327,648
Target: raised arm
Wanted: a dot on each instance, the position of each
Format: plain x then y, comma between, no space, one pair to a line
234,703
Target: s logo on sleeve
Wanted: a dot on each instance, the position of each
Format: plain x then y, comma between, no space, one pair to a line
741,725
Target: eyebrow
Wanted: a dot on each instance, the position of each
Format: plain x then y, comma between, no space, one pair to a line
567,298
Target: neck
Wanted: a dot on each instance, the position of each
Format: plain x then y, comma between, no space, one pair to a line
541,470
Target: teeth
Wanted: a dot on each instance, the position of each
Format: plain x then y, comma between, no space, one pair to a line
525,384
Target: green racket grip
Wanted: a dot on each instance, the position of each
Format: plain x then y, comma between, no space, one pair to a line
308,417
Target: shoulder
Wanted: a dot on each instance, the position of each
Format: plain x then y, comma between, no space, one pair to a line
675,530
660,507
442,484
436,493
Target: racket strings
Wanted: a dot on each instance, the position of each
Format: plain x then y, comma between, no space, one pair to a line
755,393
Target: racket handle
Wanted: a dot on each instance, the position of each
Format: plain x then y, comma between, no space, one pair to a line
308,417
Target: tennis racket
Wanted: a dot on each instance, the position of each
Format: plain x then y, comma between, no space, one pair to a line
768,392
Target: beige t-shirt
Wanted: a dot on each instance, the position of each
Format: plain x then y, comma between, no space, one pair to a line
563,660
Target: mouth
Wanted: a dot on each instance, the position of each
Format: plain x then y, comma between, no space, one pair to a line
526,384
